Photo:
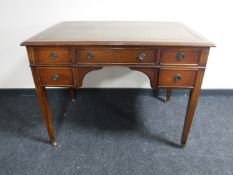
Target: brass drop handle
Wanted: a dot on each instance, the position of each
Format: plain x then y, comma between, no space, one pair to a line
177,77
180,56
90,55
55,77
53,56
142,56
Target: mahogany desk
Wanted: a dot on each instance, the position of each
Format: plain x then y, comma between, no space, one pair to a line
170,54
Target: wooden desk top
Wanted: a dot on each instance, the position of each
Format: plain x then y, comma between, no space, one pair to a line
118,33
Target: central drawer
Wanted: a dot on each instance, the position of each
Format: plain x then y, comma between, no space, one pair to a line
116,55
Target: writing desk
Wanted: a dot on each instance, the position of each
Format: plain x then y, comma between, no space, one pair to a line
170,54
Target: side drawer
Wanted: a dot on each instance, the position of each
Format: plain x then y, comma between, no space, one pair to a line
186,56
117,55
53,55
53,76
181,78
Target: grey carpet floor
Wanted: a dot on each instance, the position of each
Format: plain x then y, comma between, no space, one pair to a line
115,132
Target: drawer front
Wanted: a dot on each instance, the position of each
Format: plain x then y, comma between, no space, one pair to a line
180,56
56,76
177,78
108,55
53,55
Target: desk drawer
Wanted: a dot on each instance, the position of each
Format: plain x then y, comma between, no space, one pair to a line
180,56
116,55
177,78
53,55
50,76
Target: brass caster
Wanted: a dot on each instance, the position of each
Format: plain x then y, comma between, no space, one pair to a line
54,143
182,145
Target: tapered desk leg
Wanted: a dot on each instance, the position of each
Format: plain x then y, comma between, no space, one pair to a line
193,99
168,95
43,101
72,94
